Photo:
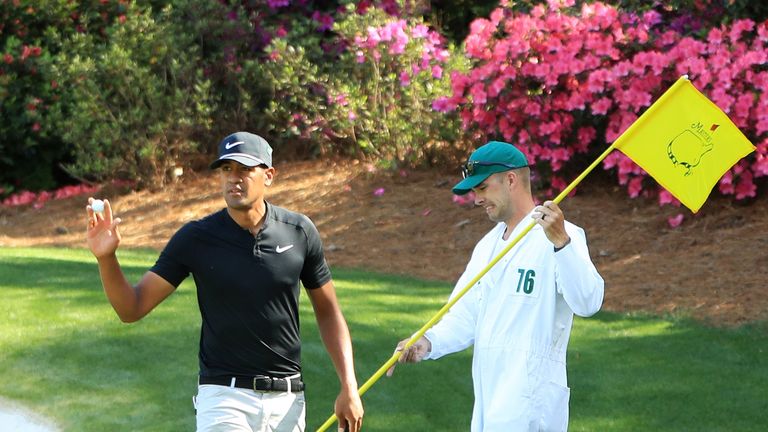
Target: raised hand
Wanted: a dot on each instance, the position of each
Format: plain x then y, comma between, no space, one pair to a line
103,235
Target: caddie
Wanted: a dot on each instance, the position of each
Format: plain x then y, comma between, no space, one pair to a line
519,315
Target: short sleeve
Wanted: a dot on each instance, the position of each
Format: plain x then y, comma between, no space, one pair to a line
170,264
315,272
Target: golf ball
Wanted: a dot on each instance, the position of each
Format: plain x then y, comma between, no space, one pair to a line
97,206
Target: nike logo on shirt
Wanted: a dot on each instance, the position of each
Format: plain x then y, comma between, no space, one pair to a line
281,249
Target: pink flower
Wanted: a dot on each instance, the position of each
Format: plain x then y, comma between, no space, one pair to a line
441,104
437,71
496,16
746,188
507,129
386,33
398,47
466,200
20,198
726,184
324,21
667,198
420,31
597,79
405,79
274,4
760,167
743,105
651,18
622,69
442,55
739,27
635,186
379,192
26,51
533,109
478,94
675,221
362,6
373,37
559,184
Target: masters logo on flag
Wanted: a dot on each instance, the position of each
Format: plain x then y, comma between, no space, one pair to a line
685,142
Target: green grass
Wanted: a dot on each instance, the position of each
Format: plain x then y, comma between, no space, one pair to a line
65,354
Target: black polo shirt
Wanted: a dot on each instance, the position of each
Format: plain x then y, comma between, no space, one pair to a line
247,288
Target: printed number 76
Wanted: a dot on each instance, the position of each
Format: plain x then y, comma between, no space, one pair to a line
525,281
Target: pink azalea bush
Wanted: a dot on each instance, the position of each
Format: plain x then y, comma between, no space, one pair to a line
38,200
561,81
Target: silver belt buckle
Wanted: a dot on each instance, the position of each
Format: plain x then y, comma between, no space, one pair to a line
258,377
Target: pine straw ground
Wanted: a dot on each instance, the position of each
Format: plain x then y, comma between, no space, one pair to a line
712,267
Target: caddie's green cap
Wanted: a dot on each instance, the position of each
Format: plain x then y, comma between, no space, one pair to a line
493,157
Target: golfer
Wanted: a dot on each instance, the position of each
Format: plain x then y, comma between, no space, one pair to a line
247,260
519,315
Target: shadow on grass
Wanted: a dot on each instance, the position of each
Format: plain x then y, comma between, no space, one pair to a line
116,377
642,373
59,274
92,373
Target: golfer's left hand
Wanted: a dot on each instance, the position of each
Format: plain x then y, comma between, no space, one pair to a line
349,410
551,218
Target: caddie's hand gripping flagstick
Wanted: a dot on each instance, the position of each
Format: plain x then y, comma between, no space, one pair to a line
648,114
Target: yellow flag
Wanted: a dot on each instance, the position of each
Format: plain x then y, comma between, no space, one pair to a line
685,142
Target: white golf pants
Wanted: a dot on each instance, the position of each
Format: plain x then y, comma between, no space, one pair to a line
231,409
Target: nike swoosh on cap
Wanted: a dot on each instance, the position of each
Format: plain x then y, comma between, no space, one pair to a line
281,249
230,145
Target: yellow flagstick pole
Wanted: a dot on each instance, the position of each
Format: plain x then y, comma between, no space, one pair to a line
416,336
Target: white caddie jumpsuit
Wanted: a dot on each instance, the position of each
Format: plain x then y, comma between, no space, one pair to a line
519,317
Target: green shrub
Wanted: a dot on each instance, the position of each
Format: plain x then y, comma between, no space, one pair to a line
228,54
29,151
132,102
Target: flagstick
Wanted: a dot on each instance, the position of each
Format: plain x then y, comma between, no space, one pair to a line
416,336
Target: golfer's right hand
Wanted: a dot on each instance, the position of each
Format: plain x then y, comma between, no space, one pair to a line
103,236
413,354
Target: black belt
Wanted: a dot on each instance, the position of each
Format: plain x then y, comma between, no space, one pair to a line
256,383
